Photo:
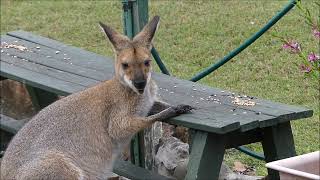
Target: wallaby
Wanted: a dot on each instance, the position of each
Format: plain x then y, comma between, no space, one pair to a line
81,135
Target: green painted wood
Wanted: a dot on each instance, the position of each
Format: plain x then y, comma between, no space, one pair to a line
270,106
11,125
78,57
2,78
38,80
133,172
41,98
212,117
238,138
46,70
278,144
206,156
59,65
91,59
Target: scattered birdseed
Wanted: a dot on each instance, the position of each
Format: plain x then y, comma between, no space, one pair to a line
175,86
193,85
197,102
64,58
192,96
203,89
37,47
15,41
235,114
171,92
57,52
14,56
68,58
243,102
2,51
194,89
64,54
244,112
201,99
7,46
8,54
48,56
167,90
222,91
258,113
71,63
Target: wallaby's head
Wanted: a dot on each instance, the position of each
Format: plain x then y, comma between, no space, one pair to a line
133,57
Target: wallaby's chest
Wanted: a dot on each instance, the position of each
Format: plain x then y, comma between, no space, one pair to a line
144,104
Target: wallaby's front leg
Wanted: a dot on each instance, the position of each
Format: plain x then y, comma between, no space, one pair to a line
158,106
131,125
169,113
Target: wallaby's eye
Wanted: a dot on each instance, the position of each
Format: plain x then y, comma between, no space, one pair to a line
125,65
147,62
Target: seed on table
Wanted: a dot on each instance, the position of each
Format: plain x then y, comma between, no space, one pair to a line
193,85
197,102
222,91
64,58
48,56
192,96
37,47
201,99
171,92
167,90
244,112
57,52
15,41
8,54
15,56
64,54
71,63
175,86
258,113
2,51
194,89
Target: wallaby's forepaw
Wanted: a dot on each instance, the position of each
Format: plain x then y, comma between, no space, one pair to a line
182,108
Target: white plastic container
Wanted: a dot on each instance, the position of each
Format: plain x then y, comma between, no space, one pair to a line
306,166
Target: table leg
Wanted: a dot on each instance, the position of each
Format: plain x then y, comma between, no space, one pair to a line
206,156
277,144
40,98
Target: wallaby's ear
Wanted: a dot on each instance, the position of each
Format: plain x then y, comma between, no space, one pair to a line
118,40
145,37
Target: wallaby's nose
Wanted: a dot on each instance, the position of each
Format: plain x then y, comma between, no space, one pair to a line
140,84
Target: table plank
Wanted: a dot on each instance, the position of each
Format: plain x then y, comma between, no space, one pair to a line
38,80
213,116
45,70
92,60
61,65
273,109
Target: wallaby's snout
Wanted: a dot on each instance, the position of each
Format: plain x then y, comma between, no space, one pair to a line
140,84
133,57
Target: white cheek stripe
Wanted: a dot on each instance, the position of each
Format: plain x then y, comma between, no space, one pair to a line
130,84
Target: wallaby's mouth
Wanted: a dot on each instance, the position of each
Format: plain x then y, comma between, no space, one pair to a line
141,91
140,85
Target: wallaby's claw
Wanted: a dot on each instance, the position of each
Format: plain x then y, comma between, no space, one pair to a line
182,108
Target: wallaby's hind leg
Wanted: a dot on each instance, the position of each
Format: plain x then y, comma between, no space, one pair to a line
52,166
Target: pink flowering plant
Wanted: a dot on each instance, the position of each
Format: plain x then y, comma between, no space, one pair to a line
310,65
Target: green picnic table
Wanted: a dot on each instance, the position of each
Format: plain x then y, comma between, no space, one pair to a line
50,69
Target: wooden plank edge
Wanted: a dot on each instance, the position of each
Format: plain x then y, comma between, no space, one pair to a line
128,170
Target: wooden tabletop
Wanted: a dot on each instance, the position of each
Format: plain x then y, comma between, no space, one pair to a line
64,69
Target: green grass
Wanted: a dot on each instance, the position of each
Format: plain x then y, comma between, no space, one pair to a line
193,35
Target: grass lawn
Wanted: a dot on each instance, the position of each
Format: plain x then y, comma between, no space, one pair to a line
193,35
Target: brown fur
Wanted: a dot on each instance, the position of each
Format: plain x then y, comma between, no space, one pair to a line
79,137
